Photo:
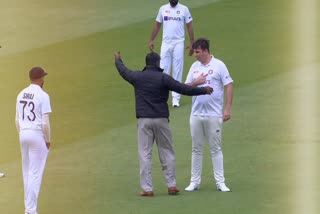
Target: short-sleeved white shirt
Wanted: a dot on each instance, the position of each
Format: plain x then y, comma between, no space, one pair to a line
173,20
32,103
218,77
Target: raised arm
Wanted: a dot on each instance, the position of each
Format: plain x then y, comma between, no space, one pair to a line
125,72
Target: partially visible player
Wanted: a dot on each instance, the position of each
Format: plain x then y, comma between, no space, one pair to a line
32,122
173,16
1,173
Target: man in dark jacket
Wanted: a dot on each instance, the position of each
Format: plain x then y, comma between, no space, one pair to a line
151,93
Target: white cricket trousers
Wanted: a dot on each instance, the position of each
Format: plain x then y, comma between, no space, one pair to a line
150,130
173,54
34,155
203,127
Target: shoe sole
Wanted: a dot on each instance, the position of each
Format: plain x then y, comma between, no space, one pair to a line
143,194
173,193
192,190
224,191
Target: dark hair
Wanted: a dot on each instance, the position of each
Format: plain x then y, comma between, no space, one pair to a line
202,43
152,58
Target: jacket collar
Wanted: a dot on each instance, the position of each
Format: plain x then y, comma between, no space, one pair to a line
152,67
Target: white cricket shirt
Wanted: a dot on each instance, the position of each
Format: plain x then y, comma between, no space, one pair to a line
32,103
218,77
173,20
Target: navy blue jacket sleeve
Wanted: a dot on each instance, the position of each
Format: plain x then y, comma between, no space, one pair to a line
181,88
125,72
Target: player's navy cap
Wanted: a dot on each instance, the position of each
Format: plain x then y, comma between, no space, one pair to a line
36,73
152,58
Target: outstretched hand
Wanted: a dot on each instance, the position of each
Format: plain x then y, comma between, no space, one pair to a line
117,55
208,89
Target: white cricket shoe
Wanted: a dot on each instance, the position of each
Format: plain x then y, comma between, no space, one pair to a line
2,174
192,187
222,187
175,103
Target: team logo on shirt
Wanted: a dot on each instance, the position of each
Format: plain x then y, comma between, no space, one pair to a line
178,12
210,72
171,18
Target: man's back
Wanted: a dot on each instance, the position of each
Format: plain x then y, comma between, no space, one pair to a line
151,92
32,102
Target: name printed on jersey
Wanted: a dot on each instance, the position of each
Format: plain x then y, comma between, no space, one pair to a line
28,96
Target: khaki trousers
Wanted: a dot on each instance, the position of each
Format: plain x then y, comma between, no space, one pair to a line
157,130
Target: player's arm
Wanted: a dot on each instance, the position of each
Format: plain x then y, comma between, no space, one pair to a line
155,30
191,37
228,102
201,79
17,121
181,88
46,129
125,72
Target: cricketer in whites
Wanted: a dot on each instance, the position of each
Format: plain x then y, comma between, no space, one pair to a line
32,122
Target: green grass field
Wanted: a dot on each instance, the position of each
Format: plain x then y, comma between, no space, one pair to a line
93,163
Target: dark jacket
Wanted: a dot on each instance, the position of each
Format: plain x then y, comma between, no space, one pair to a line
152,87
